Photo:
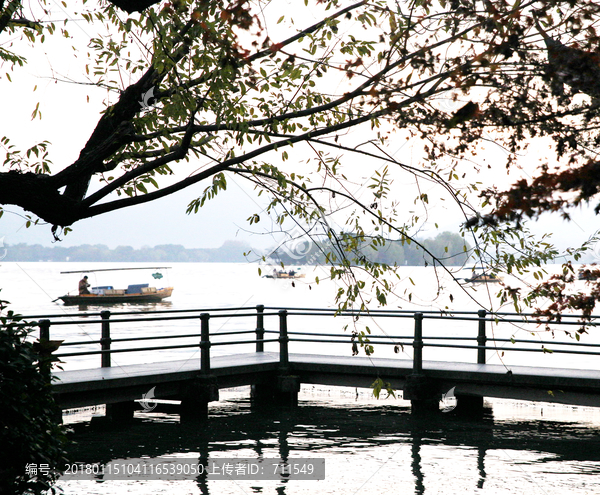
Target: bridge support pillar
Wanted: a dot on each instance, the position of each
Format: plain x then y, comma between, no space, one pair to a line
423,394
195,399
120,412
424,406
282,392
469,406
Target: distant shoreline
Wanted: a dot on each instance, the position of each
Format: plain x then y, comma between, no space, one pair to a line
229,252
449,248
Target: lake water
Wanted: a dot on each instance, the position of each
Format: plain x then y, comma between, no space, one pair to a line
369,446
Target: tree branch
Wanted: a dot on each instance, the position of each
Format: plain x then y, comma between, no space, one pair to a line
333,192
288,140
10,10
270,51
109,135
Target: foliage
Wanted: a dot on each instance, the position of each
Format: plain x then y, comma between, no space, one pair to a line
30,433
305,105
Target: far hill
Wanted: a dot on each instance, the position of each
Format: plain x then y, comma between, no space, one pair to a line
229,252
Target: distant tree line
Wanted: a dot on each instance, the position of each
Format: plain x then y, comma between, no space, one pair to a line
229,252
449,248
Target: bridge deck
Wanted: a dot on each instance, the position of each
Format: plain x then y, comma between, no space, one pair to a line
107,385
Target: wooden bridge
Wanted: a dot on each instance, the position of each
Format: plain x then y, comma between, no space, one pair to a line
276,374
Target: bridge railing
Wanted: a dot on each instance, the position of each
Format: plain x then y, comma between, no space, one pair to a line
480,342
107,338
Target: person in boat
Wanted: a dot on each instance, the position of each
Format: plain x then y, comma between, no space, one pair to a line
83,285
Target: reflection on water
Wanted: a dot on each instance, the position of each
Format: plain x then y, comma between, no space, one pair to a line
369,447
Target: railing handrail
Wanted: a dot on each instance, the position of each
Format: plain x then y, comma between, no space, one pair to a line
157,311
418,340
441,314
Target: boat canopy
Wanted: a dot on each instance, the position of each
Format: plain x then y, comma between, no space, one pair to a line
119,269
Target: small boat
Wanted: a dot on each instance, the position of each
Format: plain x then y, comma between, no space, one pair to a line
589,274
283,274
116,296
135,293
483,278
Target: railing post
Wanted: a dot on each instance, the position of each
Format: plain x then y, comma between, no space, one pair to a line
197,393
418,388
260,328
204,344
105,339
45,350
418,345
481,337
284,359
44,329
